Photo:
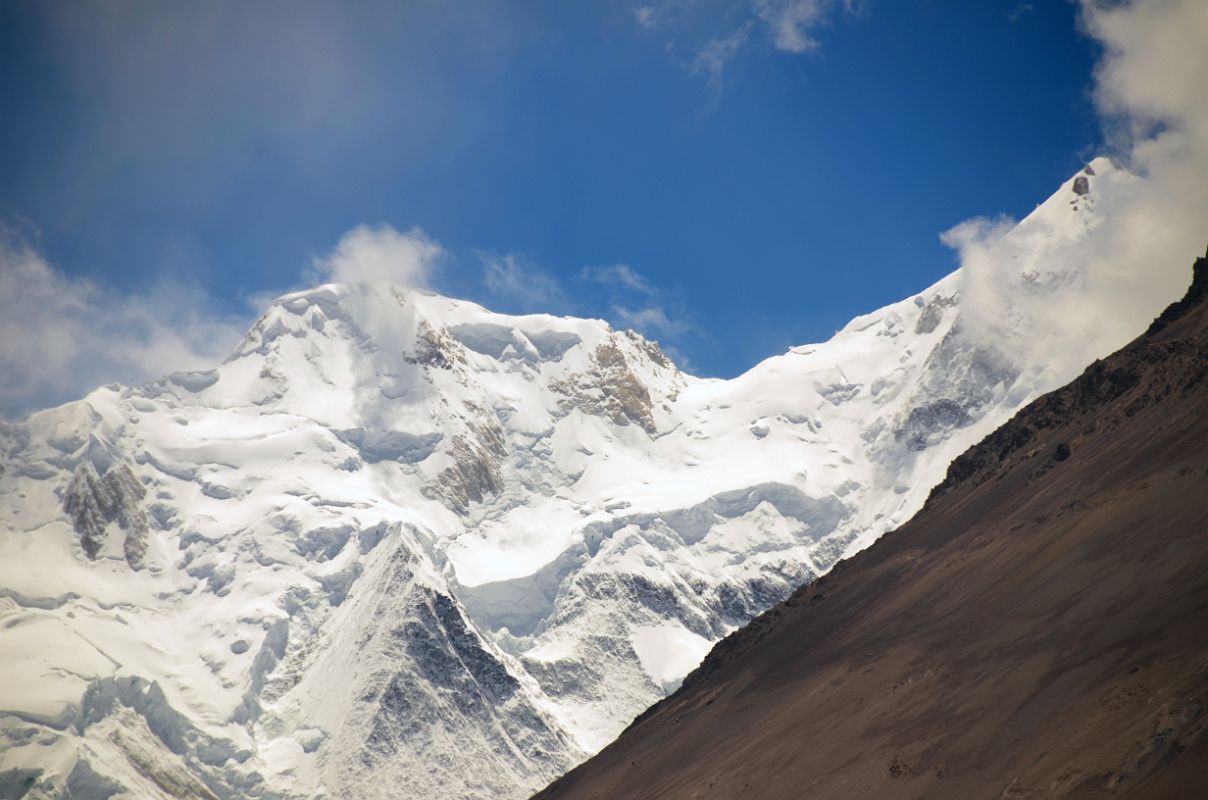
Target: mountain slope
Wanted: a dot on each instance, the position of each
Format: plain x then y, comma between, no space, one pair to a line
1039,629
400,543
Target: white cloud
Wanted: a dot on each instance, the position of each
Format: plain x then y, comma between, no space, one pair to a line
1149,91
1155,65
381,254
61,336
628,299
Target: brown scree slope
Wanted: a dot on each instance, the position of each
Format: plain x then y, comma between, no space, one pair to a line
1039,629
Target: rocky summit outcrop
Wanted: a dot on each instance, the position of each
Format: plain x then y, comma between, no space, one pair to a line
1038,630
92,502
610,386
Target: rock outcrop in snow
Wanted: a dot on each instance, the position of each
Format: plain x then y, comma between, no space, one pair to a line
93,502
399,545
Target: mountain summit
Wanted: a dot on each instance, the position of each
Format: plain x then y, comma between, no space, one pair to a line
397,543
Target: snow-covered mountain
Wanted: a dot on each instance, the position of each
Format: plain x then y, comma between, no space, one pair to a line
399,545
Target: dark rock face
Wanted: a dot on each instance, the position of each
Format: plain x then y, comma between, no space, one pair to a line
1100,384
85,782
1197,294
630,397
476,471
16,782
435,348
610,388
926,421
933,314
740,603
452,686
962,376
1082,185
448,654
92,502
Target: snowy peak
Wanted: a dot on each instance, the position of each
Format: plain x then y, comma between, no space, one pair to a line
1097,176
386,314
397,344
400,543
438,384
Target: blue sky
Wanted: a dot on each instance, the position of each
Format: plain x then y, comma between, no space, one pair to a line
763,170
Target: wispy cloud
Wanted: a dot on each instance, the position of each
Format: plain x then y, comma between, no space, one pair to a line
1149,88
650,320
638,304
61,336
792,23
514,284
646,16
1020,11
621,275
712,60
788,26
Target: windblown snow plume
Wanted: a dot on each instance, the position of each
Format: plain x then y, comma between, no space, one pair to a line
368,254
1091,296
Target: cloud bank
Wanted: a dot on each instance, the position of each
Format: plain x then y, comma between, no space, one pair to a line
1150,89
1149,92
62,336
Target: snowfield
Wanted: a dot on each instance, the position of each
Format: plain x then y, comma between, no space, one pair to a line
398,545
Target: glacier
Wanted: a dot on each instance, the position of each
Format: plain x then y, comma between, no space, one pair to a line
400,545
